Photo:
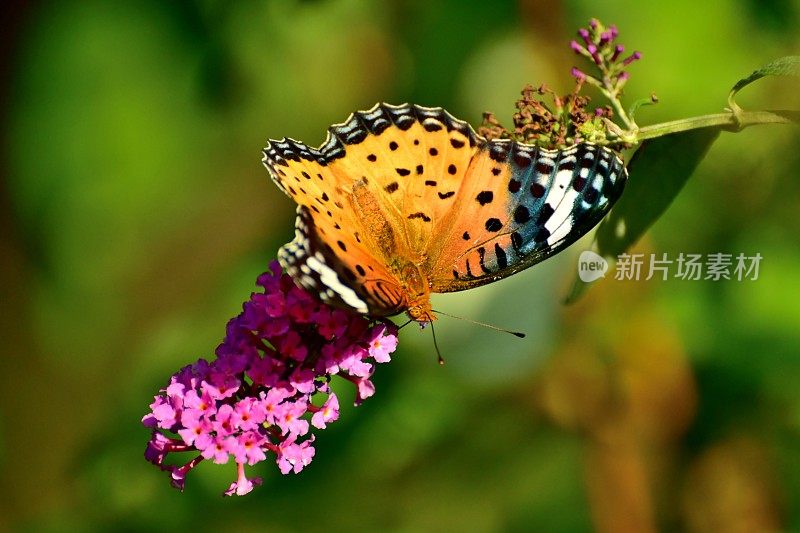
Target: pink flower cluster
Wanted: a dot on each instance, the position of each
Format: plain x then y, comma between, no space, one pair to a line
597,44
269,384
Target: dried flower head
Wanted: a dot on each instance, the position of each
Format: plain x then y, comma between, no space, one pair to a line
559,124
551,121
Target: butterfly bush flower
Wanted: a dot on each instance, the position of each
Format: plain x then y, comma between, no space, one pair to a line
268,388
597,44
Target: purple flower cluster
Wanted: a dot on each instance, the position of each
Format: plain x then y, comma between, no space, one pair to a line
269,384
597,44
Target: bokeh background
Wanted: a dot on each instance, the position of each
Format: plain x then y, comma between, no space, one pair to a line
136,216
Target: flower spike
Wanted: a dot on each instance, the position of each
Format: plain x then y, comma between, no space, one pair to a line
268,388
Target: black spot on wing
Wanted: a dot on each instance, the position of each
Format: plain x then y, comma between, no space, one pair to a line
537,190
500,254
419,215
499,151
493,224
544,167
431,124
482,260
484,197
521,214
522,159
542,235
516,241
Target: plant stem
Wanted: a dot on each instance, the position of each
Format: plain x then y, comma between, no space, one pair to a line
728,120
621,112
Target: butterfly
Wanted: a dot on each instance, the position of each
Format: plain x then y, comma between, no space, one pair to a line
403,201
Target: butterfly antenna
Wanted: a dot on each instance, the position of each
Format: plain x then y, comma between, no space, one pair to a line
436,345
484,324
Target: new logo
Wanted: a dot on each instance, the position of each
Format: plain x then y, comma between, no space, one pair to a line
591,266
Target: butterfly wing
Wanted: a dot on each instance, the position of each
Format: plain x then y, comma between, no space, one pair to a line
400,185
316,268
519,205
411,161
372,198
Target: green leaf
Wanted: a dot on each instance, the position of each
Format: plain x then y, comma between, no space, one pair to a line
784,66
657,172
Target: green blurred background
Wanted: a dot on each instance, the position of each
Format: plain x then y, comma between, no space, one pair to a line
136,216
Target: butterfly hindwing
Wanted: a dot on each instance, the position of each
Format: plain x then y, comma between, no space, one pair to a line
521,204
317,267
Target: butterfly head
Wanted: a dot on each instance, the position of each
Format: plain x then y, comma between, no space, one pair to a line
422,312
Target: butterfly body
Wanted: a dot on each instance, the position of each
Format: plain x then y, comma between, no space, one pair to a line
403,201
